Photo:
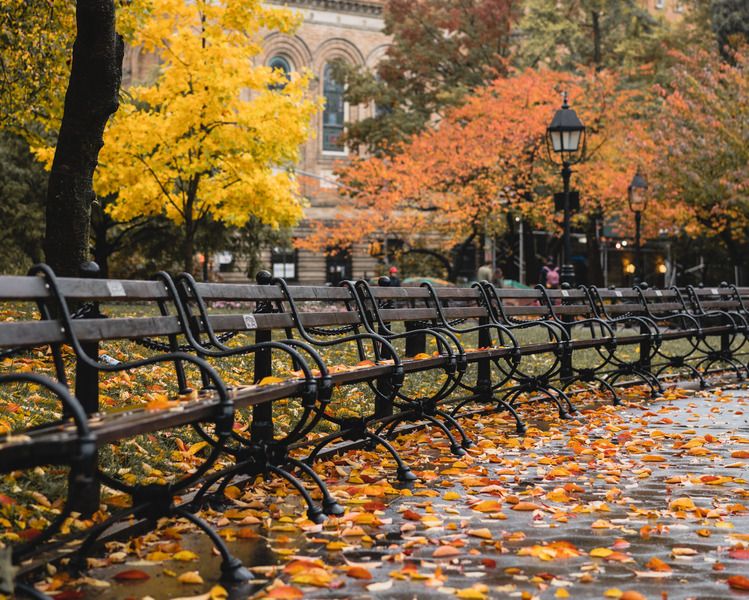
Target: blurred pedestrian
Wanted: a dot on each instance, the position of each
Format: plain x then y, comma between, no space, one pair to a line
484,273
394,279
548,276
499,277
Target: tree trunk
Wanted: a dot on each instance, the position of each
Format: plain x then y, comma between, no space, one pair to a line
91,98
188,249
596,16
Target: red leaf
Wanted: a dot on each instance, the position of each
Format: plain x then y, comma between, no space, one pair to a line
739,553
70,595
132,575
28,534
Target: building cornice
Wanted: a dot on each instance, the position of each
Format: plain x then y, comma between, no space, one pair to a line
361,7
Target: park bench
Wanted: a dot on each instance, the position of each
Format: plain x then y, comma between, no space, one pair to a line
623,310
330,319
81,430
250,347
688,333
501,375
723,305
595,337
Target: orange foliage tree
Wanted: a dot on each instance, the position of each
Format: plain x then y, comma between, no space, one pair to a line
702,138
486,160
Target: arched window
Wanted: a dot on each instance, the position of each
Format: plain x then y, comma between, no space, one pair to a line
333,115
280,63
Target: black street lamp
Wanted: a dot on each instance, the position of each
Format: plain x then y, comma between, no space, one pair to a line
637,194
565,138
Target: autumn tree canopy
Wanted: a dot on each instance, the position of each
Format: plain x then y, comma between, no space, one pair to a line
36,40
441,50
486,158
212,138
702,139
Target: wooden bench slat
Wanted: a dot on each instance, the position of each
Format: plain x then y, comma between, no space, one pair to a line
19,287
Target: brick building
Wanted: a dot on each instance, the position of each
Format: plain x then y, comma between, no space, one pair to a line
332,29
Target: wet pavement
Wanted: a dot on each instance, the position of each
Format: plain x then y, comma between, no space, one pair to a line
650,498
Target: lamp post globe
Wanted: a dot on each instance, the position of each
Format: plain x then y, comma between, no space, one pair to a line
637,196
565,144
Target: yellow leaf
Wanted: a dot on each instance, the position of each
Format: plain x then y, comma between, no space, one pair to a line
232,492
470,594
197,447
218,593
270,380
487,506
685,503
191,577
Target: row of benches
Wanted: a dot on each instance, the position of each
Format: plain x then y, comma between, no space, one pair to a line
423,354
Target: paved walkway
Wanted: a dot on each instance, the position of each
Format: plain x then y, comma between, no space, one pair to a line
646,499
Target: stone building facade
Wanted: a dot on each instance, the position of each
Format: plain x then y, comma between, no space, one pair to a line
331,29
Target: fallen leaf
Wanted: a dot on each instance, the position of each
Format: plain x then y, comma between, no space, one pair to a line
132,575
191,577
446,552
738,582
285,592
482,533
380,586
656,564
487,506
358,573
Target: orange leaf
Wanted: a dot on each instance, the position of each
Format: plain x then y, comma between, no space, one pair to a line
738,582
446,552
656,564
285,592
526,506
358,573
482,533
653,458
488,506
161,404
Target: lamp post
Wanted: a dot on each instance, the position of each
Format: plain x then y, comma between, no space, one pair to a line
637,194
565,139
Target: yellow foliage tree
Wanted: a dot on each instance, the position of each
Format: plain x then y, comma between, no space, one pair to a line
37,40
212,138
